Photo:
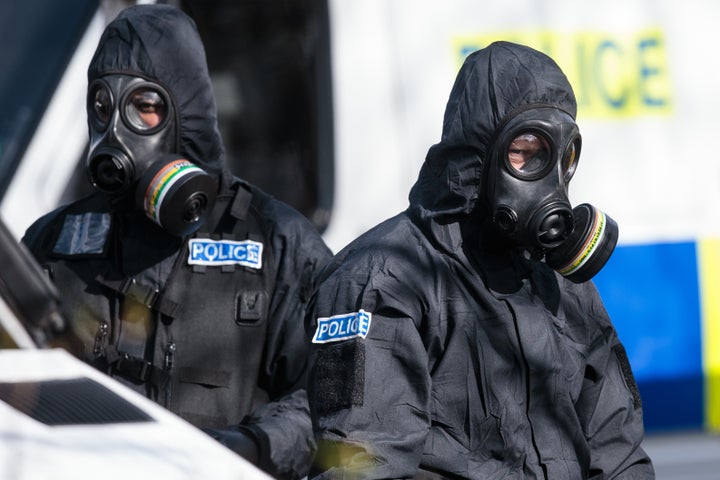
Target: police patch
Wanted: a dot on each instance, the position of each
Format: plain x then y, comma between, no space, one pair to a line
205,251
342,327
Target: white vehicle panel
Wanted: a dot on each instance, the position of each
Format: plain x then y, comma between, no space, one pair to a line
164,447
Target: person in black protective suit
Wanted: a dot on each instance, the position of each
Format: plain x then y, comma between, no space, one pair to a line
180,280
463,337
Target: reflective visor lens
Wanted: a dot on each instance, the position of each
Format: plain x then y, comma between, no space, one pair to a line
145,109
528,154
101,105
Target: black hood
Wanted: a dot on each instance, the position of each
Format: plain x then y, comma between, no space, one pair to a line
161,43
492,84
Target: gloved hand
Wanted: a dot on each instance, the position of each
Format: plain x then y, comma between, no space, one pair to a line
239,442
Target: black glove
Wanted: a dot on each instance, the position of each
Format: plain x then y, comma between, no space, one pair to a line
244,444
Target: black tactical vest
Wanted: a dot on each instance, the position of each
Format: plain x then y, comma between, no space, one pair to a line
203,335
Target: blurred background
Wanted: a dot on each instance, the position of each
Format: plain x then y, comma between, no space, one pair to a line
331,105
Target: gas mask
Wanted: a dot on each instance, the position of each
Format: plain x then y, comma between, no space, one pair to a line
532,159
133,132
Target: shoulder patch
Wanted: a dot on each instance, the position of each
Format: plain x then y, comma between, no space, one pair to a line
83,234
205,251
342,327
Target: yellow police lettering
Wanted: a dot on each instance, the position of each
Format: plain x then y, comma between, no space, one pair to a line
614,74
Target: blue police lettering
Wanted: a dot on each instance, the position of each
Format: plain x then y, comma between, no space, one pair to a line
342,327
205,251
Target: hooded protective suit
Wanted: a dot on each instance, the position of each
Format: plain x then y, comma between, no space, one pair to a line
441,350
208,325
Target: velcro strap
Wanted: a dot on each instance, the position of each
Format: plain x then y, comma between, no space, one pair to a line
150,297
241,203
137,369
141,294
166,306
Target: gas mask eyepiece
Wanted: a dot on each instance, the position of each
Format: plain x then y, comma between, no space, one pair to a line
588,247
176,194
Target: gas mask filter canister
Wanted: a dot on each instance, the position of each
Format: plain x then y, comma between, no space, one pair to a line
176,194
588,247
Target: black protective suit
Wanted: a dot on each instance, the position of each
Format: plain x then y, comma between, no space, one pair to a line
478,362
218,344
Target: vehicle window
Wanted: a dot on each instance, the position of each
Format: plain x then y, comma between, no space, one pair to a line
270,63
37,39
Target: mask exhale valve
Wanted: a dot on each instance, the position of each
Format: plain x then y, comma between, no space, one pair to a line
552,224
110,170
588,247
